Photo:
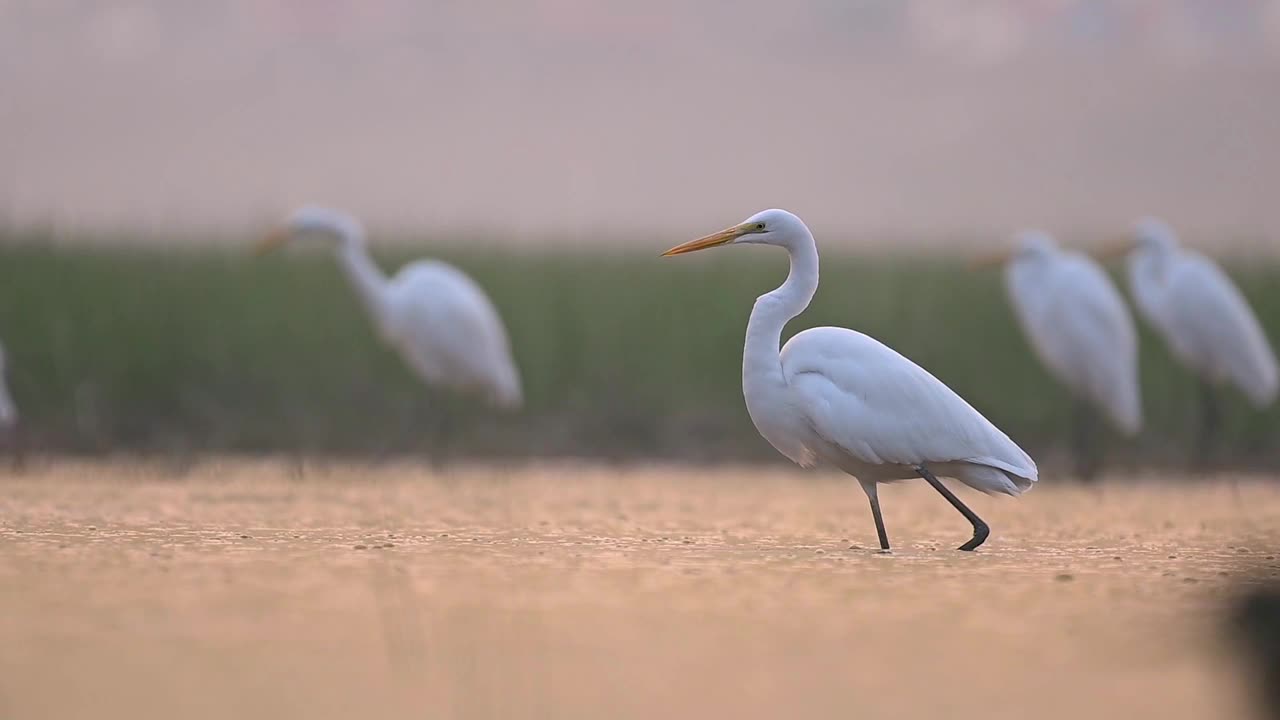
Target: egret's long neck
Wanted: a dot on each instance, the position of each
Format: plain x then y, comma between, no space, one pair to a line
1026,281
365,276
772,311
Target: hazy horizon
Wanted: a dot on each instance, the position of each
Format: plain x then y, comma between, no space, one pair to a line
565,118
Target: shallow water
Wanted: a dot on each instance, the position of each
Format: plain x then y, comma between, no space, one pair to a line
264,590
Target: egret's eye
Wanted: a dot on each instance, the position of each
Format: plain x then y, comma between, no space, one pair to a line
759,226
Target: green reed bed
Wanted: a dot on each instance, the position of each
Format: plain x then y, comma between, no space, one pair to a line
623,355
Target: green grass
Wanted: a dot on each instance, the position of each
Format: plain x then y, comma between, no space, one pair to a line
623,355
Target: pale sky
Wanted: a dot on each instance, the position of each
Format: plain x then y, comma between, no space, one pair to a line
877,120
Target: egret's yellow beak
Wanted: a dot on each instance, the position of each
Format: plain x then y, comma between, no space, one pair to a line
272,240
1114,248
990,260
723,237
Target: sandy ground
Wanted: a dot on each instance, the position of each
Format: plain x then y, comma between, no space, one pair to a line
252,590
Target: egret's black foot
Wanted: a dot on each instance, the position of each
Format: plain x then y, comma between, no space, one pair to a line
980,533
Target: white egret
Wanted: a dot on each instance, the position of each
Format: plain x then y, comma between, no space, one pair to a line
437,317
8,411
1080,328
1203,318
839,397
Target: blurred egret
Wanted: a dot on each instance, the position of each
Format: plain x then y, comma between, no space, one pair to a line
839,397
1203,318
438,318
1080,329
8,411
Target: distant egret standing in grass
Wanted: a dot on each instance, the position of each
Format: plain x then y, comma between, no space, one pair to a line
8,411
433,314
1081,330
839,397
1203,318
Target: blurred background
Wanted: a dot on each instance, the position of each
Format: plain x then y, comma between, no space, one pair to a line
237,509
552,148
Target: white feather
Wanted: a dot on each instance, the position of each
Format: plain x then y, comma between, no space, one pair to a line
8,410
1202,316
836,396
450,333
878,415
438,318
1079,327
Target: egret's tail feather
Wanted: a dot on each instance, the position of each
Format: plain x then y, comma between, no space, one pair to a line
992,480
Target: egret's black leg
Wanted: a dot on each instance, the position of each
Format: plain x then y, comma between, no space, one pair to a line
874,497
1210,419
980,529
1087,441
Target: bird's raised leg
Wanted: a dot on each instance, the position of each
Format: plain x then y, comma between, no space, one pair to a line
1210,418
869,487
980,529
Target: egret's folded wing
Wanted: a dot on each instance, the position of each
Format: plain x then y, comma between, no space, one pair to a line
1215,322
1089,329
450,330
880,407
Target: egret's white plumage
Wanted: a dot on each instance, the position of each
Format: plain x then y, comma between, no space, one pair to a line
877,415
437,317
1201,314
840,397
1078,324
8,411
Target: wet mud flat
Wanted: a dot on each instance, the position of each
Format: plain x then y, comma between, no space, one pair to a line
264,590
